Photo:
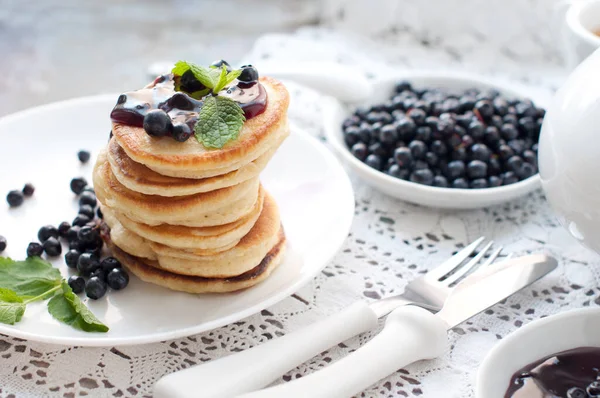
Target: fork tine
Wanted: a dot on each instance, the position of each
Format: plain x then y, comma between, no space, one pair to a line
453,262
492,257
468,266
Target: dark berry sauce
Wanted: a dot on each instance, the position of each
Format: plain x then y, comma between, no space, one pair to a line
568,374
132,106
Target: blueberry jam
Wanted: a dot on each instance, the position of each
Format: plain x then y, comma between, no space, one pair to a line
132,107
568,374
472,140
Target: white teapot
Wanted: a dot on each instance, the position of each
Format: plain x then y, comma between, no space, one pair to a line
569,153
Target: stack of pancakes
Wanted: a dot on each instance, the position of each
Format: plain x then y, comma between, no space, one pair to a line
190,218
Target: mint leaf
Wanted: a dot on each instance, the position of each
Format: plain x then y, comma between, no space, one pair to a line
207,76
11,307
220,121
231,76
29,278
68,308
222,81
226,79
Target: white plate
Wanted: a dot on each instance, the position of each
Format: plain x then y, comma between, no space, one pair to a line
40,146
335,112
539,339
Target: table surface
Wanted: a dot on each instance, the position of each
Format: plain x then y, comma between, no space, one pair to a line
391,242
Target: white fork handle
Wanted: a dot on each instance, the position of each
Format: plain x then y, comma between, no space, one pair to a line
410,334
259,366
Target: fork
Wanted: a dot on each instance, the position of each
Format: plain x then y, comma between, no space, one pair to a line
259,366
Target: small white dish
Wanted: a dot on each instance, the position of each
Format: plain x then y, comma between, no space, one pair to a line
539,339
40,145
334,113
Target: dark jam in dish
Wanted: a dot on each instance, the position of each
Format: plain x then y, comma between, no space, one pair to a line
132,106
568,374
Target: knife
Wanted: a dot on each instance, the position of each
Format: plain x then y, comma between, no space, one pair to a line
411,334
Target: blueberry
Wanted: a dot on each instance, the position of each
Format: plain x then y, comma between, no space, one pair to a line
440,181
181,132
95,288
117,279
420,165
527,125
109,263
3,243
99,213
374,117
494,181
476,130
34,249
249,74
432,122
87,211
365,134
511,119
423,134
509,178
514,164
359,150
403,157
46,232
480,152
100,274
432,159
459,153
93,246
88,198
76,245
403,86
439,148
88,234
454,140
593,389
28,190
157,123
87,263
467,141
478,183
398,172
509,132
500,106
530,157
15,198
373,161
417,115
422,176
455,169
576,392
71,258
73,232
466,103
77,284
518,146
460,183
63,229
52,247
351,136
491,136
83,156
189,83
406,129
81,220
476,169
494,167
418,149
378,149
526,171
388,135
505,152
485,108
220,63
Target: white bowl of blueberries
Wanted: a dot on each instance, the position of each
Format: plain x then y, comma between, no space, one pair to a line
445,141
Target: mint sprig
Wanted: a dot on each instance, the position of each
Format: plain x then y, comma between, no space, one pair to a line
220,119
24,282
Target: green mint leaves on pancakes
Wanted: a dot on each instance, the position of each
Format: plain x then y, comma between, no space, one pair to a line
220,119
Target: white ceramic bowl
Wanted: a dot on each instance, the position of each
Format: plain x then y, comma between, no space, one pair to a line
541,338
334,113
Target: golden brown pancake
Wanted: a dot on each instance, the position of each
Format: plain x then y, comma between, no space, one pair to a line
218,207
177,236
191,159
149,271
140,178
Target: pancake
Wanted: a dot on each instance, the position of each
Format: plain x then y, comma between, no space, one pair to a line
131,243
148,271
218,207
191,159
140,178
182,237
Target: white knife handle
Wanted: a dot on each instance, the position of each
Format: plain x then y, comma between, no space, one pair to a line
259,366
410,334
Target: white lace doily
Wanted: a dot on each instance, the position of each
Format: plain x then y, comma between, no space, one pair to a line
391,242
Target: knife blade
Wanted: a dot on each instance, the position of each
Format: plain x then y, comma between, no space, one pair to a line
412,333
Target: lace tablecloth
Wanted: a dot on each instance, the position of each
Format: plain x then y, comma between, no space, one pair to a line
390,243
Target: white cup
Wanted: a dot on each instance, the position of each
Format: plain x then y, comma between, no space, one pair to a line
582,19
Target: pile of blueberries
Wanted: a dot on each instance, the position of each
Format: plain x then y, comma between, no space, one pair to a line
85,247
428,136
